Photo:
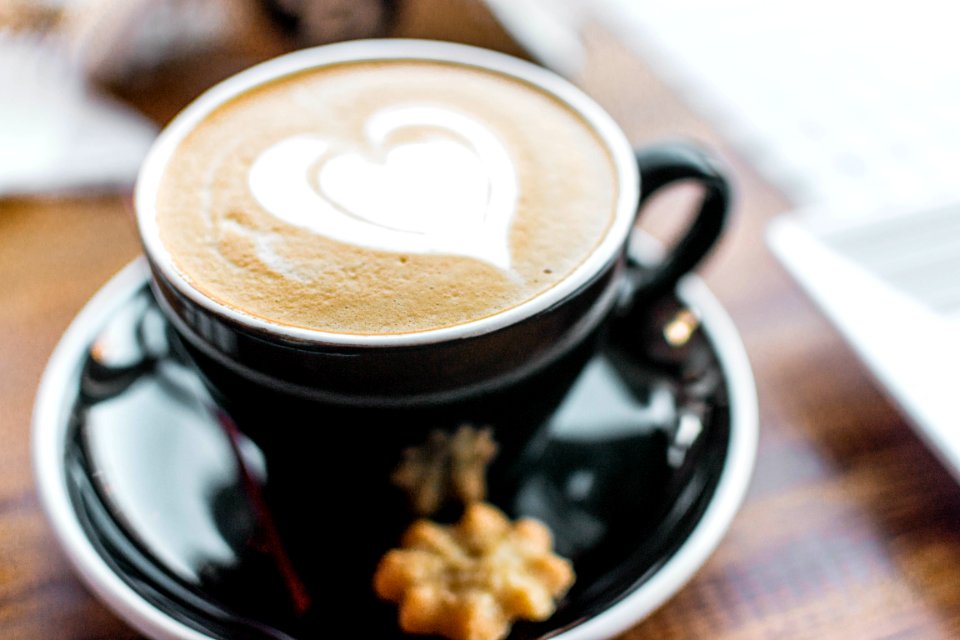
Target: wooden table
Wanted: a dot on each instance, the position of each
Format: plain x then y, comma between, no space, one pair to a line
851,528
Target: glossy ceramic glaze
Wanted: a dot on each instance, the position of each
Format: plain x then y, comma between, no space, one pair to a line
165,507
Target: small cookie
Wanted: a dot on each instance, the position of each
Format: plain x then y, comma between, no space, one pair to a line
446,467
472,580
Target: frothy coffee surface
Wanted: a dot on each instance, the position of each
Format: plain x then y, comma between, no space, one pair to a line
385,197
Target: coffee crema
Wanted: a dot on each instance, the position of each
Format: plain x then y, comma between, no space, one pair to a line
385,197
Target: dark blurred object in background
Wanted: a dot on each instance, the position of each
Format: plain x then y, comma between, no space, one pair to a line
129,46
314,22
249,31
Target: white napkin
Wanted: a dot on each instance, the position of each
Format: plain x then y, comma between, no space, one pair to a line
56,134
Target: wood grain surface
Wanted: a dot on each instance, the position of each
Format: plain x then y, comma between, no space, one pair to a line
851,528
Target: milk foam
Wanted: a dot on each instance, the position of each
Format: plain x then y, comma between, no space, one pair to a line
385,197
451,190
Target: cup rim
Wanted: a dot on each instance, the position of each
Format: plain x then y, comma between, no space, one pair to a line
620,150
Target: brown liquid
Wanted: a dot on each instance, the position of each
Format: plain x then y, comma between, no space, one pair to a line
231,248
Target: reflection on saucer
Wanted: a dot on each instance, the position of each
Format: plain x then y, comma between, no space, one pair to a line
643,468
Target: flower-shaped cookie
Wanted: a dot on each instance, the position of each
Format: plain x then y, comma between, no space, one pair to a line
446,467
472,580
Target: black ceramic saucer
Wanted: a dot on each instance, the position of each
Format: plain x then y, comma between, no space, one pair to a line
154,497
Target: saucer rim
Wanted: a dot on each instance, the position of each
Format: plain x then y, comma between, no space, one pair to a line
48,447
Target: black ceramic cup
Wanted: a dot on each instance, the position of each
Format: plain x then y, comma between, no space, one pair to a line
332,413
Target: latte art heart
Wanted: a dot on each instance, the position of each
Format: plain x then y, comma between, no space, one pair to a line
450,188
382,197
419,188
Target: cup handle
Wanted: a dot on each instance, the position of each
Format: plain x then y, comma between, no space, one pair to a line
662,165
